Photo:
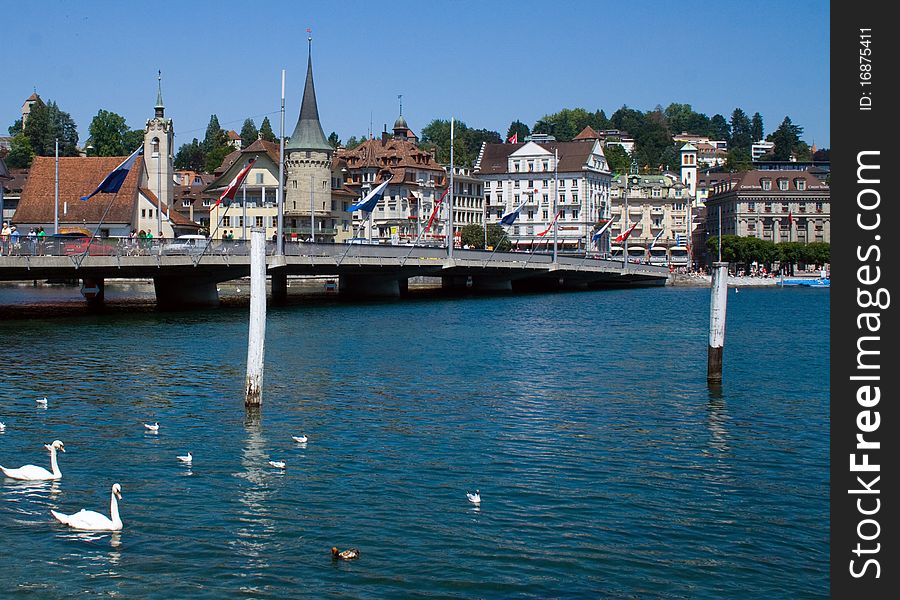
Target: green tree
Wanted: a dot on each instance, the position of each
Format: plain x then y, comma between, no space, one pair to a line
718,128
215,137
132,140
756,127
265,130
520,128
191,157
738,160
496,238
20,152
249,133
215,157
106,135
47,123
741,137
618,159
352,142
15,128
787,140
472,235
334,140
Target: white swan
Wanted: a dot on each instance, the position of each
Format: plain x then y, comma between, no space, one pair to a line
154,428
474,498
89,520
278,464
35,473
300,439
186,459
42,401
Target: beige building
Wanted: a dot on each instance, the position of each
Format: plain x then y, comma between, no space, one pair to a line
659,205
778,206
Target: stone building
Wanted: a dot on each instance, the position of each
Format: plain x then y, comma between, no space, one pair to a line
659,204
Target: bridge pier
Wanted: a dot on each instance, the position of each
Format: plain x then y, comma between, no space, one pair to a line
93,290
180,292
369,286
479,283
279,286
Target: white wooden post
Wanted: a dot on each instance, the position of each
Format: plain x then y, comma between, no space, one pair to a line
717,302
256,341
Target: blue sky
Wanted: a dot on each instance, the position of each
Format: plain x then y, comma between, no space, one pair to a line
486,63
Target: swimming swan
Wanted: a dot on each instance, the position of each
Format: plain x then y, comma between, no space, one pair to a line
89,520
35,473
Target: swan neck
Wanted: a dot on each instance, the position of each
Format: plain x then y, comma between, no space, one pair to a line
114,510
54,466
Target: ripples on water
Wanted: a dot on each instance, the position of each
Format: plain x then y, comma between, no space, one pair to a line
606,467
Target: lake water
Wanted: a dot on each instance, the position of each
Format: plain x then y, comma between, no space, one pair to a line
605,465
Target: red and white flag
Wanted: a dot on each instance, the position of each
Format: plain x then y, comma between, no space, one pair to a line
624,236
514,138
437,207
546,231
791,218
235,184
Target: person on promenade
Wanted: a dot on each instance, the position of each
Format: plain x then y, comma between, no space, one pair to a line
4,238
13,240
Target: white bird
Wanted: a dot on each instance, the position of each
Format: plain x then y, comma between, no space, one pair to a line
278,464
474,498
186,459
154,428
42,401
35,473
300,439
2,425
89,520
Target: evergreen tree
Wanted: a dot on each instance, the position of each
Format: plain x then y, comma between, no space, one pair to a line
249,133
519,128
718,128
265,130
191,157
618,159
352,142
215,136
740,131
787,141
47,123
334,140
20,153
214,159
756,127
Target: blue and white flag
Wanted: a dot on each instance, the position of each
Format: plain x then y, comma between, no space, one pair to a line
679,239
368,203
510,217
112,182
656,239
599,232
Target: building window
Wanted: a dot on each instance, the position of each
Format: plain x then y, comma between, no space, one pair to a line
751,206
185,204
766,184
783,184
768,207
226,221
259,178
575,198
800,184
656,192
784,207
154,146
818,207
143,213
575,213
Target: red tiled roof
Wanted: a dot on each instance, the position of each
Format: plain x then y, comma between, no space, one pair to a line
394,155
260,145
176,217
587,133
572,156
78,176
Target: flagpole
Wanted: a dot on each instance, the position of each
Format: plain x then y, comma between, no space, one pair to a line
56,191
279,243
244,211
159,190
555,200
452,193
312,213
625,225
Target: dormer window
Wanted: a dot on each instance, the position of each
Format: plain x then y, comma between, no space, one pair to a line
800,184
766,184
783,185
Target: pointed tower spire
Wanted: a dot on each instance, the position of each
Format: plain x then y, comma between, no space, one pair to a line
308,134
160,108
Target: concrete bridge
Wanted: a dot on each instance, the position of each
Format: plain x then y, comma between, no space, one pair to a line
187,275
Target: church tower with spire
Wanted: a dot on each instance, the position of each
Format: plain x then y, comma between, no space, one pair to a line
308,158
159,138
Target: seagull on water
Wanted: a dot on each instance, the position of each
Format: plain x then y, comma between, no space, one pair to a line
42,401
474,498
278,464
300,439
186,459
154,428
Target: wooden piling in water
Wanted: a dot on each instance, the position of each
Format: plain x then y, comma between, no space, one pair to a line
257,338
717,302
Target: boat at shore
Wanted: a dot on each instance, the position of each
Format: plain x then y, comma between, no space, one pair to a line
818,282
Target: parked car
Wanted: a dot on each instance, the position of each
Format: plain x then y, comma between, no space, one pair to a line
69,244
